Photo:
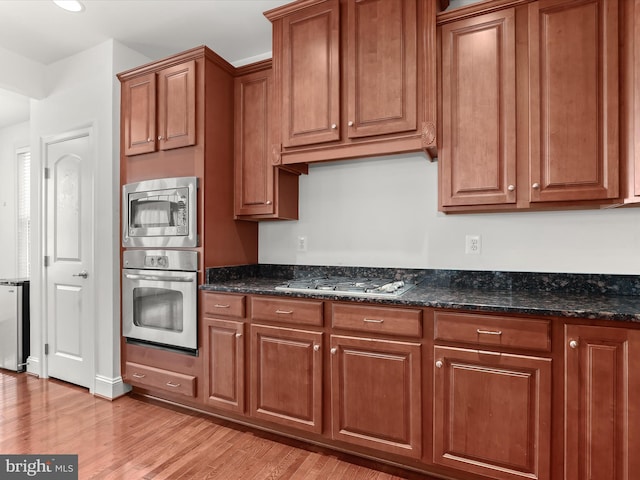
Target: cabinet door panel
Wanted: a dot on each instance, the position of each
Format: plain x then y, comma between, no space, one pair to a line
492,413
139,114
177,106
478,151
254,170
377,394
287,377
601,386
311,75
573,55
381,67
224,367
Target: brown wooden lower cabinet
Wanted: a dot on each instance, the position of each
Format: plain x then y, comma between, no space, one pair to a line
498,387
602,403
224,366
376,394
492,413
286,376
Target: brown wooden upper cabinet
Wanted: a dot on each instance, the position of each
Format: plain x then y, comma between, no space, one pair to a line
529,105
262,190
159,110
354,78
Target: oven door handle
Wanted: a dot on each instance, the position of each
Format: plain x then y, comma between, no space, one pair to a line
157,278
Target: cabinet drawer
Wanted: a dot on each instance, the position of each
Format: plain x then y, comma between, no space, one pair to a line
157,378
216,304
390,320
305,312
493,330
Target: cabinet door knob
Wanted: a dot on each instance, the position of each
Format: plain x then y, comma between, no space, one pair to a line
316,348
333,351
238,335
159,137
149,140
334,126
439,364
536,186
350,123
573,344
268,202
511,188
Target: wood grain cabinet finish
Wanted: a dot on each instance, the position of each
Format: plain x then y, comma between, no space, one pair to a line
284,310
159,110
573,112
477,157
630,99
492,413
262,190
354,78
530,107
602,417
150,377
376,394
223,328
311,75
286,376
493,330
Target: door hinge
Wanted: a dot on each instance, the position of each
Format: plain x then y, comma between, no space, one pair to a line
47,173
46,349
47,260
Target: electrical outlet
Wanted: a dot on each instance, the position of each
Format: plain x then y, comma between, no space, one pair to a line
302,243
473,244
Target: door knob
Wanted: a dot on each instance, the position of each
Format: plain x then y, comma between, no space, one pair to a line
82,274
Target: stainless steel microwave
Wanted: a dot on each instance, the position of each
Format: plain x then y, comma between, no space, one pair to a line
160,213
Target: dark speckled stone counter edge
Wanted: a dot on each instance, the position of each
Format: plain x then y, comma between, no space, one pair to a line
592,296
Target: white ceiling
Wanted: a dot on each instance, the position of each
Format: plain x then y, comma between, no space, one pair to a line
40,31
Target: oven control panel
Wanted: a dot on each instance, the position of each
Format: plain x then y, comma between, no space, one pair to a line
178,260
156,261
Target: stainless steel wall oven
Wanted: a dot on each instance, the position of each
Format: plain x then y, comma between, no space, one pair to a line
160,297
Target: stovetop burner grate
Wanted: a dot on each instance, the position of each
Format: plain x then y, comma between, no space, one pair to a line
381,287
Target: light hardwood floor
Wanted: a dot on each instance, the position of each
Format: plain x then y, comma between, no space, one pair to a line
131,439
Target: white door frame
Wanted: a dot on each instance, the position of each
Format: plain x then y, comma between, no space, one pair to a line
44,320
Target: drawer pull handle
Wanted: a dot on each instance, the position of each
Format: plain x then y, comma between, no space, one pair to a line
489,332
138,375
173,385
374,320
439,364
221,305
284,312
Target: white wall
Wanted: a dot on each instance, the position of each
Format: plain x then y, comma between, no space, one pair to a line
81,93
383,212
11,139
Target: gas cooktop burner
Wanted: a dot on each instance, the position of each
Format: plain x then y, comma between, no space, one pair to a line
366,287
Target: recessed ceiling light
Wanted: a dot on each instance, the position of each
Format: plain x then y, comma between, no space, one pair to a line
70,5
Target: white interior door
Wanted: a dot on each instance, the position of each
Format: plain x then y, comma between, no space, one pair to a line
69,248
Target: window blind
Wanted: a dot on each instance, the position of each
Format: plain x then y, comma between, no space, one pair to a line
24,213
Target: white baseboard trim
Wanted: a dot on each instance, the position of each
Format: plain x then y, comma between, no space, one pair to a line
34,367
110,388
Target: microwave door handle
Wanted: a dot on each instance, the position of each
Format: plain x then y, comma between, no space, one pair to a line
157,278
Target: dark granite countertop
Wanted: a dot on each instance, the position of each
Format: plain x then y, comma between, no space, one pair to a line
592,296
